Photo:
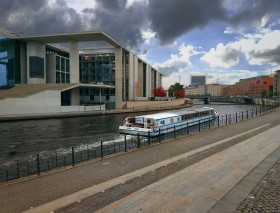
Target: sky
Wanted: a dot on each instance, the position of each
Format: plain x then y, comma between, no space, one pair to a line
226,40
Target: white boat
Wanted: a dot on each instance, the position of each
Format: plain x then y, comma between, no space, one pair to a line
159,123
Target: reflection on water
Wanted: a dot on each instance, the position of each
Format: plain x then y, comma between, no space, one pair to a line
24,139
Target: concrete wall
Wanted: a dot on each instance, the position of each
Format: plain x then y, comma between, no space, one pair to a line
135,80
154,104
74,62
44,102
75,96
131,76
50,68
140,78
148,81
36,49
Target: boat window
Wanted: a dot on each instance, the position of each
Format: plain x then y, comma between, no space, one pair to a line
162,122
171,120
178,119
148,121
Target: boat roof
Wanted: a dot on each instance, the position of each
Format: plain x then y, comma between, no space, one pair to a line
179,113
160,115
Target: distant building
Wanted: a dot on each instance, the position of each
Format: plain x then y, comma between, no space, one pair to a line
276,88
195,90
251,86
198,79
215,89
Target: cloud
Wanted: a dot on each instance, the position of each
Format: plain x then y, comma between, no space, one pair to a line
38,17
171,19
222,56
258,49
178,62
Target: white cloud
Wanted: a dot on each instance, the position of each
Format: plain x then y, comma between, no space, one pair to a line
255,48
222,56
81,4
147,35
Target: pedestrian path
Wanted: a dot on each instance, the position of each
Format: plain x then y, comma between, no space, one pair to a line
199,187
212,171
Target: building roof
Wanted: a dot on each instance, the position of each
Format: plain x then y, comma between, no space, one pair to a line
79,37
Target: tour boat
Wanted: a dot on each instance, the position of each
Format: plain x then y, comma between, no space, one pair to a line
159,123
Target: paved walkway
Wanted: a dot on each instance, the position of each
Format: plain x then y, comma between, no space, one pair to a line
212,171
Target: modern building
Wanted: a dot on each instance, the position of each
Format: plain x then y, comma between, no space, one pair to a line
251,86
197,79
276,88
70,69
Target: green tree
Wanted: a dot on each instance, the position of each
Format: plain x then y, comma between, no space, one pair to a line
176,90
263,93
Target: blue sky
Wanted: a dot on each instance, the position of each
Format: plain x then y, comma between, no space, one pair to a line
225,39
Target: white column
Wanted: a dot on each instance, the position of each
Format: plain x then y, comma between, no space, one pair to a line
74,61
148,81
75,97
118,77
135,81
131,77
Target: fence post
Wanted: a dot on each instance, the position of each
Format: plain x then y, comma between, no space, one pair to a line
188,129
199,125
218,120
73,156
138,140
56,163
209,125
174,131
242,115
125,145
236,119
17,169
260,110
226,119
149,138
87,152
247,114
38,165
101,149
159,135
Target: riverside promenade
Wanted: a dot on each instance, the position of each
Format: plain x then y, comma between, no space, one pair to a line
232,168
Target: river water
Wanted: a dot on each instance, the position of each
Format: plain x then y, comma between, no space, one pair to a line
22,140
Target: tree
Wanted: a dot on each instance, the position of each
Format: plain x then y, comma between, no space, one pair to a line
176,90
159,92
263,93
180,93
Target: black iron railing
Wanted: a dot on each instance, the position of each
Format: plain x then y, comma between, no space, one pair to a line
102,149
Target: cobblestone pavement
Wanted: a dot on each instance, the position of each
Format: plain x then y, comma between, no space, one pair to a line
265,197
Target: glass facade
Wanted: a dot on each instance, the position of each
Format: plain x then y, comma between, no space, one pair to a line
9,62
125,76
62,69
97,68
62,65
94,69
144,79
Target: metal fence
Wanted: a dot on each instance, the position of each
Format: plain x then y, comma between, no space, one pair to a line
102,149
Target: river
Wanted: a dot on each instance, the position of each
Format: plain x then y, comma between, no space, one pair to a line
22,140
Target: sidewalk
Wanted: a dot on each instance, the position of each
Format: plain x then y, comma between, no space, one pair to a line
198,173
